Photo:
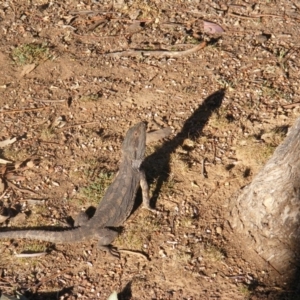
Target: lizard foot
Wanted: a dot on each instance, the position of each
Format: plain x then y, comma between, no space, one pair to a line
147,206
112,251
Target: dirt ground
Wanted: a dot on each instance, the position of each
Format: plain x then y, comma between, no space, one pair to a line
75,75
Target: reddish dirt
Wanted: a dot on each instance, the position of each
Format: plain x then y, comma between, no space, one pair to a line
69,104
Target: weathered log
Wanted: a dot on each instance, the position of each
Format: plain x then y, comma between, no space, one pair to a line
267,211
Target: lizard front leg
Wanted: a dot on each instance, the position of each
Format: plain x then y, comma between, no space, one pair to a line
145,191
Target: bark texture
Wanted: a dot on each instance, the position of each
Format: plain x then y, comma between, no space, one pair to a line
267,212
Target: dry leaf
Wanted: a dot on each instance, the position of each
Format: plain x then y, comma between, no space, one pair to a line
2,170
210,27
27,69
12,176
18,164
4,161
30,164
7,142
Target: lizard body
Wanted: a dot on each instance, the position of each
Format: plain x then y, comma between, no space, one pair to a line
118,200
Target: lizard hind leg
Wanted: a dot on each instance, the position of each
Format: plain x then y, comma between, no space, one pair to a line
81,219
106,237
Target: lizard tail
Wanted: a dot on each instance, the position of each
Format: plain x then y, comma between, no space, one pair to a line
67,236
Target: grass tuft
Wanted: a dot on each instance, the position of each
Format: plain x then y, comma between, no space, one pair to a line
95,191
30,53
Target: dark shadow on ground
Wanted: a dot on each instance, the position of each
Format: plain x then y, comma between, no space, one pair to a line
26,295
157,165
280,291
126,293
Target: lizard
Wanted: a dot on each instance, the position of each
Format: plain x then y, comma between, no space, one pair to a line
117,202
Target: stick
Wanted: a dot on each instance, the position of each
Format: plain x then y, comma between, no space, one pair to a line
10,184
204,173
26,255
292,105
21,110
157,53
255,16
49,101
140,254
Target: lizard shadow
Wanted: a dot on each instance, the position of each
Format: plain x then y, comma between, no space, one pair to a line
47,295
125,294
157,165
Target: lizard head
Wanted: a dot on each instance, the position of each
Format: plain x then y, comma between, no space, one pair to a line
134,144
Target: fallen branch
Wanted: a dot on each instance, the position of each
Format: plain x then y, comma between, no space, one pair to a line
157,53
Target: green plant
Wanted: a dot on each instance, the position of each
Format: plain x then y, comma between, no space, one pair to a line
214,253
30,53
90,97
95,191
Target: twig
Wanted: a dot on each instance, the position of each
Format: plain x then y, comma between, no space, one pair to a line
21,110
204,173
49,101
134,252
252,17
30,254
10,184
292,105
258,16
97,24
53,143
215,152
157,53
45,279
87,12
213,191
